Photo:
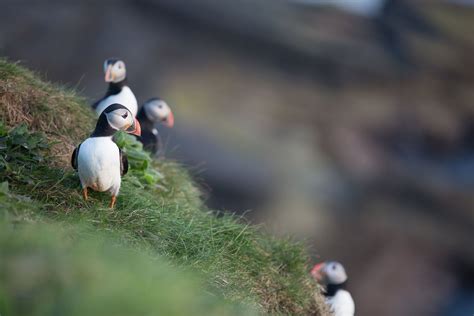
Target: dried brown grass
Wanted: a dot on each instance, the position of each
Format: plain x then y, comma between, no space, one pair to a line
59,113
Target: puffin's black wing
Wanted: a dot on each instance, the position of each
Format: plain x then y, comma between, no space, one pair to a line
74,156
123,163
151,140
96,103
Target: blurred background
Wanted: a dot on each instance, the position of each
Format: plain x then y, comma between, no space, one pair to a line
346,123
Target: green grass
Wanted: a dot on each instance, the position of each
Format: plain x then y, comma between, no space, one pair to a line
50,269
159,214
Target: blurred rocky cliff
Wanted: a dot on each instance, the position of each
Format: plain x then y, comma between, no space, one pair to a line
350,125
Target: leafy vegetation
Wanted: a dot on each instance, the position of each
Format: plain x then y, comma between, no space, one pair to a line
20,151
159,214
141,163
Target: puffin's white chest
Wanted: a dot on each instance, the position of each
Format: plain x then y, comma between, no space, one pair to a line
341,303
125,97
99,164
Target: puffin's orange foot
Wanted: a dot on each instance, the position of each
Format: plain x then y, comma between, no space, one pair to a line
112,202
84,193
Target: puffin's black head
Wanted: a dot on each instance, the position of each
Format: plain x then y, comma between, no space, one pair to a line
114,70
116,117
157,111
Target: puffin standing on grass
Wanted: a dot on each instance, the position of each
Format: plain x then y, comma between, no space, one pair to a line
98,160
152,112
332,275
118,91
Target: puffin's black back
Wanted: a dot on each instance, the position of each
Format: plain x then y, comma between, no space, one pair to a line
331,289
151,141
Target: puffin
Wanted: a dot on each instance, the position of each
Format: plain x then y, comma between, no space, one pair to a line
152,112
118,91
98,160
332,276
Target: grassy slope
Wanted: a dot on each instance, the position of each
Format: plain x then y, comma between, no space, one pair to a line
236,261
50,269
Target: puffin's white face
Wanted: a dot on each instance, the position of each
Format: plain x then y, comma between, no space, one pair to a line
114,71
122,119
158,111
331,272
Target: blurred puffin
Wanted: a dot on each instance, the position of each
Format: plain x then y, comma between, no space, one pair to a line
118,91
98,160
332,275
152,112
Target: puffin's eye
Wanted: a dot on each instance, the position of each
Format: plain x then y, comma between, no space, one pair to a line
125,115
160,106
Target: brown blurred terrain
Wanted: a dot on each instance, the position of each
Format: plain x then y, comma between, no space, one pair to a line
353,132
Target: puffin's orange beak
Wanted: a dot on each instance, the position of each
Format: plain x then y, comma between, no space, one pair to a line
169,122
316,271
135,129
108,74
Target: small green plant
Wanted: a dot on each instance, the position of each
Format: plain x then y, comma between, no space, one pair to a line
141,163
20,151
